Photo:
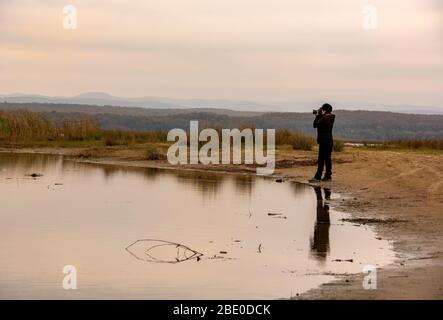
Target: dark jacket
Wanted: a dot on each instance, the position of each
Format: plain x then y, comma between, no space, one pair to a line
324,124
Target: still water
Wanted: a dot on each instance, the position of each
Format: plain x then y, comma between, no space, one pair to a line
153,234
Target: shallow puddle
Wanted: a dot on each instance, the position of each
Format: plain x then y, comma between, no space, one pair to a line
145,234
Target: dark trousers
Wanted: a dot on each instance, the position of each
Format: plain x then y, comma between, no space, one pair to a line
324,158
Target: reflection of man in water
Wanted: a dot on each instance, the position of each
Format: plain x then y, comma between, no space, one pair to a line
320,242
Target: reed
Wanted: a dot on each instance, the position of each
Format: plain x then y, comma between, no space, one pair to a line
25,125
28,127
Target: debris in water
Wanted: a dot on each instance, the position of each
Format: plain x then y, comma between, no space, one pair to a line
280,180
259,248
34,175
223,252
372,220
216,257
58,184
161,251
343,260
277,215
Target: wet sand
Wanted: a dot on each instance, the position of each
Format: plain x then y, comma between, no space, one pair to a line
400,193
405,191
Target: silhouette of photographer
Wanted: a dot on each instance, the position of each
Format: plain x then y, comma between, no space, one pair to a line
320,241
324,122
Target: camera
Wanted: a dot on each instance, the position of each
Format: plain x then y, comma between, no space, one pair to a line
316,111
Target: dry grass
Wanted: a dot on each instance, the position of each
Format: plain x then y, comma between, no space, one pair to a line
297,140
339,145
153,153
24,128
23,125
434,145
30,128
414,144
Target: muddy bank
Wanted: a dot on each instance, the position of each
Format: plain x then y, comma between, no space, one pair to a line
399,193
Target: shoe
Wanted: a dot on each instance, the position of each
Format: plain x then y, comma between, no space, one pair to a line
326,179
314,180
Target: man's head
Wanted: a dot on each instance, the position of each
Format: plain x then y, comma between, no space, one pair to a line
327,108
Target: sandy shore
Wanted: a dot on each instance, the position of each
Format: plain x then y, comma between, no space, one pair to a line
400,193
406,191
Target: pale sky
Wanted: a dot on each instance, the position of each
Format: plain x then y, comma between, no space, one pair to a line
259,50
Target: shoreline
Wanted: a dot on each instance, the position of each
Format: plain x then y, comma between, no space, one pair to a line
416,273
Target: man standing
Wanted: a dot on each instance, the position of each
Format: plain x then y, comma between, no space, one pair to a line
324,122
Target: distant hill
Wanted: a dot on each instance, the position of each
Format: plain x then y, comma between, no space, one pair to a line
105,99
351,125
117,110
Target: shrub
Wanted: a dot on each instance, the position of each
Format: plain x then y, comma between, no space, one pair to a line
152,153
283,136
338,146
109,141
302,142
297,140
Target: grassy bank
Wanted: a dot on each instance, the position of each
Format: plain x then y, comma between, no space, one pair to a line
24,128
413,144
32,129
